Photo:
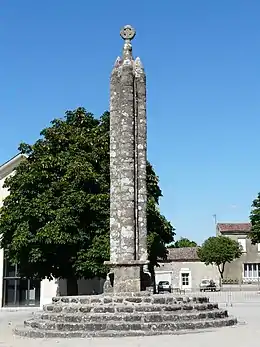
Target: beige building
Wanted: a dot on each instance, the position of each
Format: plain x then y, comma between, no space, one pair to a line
246,269
184,270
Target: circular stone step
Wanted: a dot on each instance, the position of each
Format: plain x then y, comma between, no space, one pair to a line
126,298
159,329
125,315
135,317
128,308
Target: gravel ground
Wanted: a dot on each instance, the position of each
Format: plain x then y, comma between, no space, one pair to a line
244,334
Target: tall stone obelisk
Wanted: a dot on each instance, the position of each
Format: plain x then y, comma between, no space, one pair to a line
128,195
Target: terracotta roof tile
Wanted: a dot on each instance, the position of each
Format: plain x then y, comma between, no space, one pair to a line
184,253
233,227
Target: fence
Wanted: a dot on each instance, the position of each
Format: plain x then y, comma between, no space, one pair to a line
231,295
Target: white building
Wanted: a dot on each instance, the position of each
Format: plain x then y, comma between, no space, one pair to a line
18,292
184,271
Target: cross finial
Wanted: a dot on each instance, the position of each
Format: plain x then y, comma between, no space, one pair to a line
127,33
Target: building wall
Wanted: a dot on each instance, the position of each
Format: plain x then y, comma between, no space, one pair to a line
3,195
1,275
49,289
85,287
3,191
234,271
198,271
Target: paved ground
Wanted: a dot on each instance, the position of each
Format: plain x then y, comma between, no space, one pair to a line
245,334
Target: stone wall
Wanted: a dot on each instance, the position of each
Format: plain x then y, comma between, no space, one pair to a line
3,194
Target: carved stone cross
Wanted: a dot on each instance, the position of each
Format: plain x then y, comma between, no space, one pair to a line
127,32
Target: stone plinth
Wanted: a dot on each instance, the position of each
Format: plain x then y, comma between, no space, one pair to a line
127,276
124,314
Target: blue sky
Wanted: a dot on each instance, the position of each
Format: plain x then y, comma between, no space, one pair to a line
202,60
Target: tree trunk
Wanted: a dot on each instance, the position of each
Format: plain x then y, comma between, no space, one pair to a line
152,272
72,286
221,272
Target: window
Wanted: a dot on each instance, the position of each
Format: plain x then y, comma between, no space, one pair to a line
242,242
255,272
251,271
19,291
185,279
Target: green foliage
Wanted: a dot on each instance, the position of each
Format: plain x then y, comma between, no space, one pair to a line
183,242
218,251
255,221
55,222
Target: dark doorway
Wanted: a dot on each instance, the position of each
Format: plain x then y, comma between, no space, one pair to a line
19,291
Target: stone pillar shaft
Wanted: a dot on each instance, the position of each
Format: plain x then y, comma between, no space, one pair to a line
141,149
128,250
115,189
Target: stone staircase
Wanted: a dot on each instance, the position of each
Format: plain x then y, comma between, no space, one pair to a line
124,315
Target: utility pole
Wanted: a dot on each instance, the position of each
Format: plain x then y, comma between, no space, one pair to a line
215,218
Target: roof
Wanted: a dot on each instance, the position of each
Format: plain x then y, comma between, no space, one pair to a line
10,165
183,254
234,227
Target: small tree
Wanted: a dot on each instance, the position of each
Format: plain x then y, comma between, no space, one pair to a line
218,251
183,242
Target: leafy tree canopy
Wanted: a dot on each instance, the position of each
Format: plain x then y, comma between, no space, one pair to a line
183,242
255,221
218,251
55,222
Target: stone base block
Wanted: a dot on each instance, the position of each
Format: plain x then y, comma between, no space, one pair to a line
126,277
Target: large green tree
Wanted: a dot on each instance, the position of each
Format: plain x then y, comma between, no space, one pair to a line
255,221
183,242
55,222
219,250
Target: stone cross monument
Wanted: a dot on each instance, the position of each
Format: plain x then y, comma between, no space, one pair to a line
128,195
134,312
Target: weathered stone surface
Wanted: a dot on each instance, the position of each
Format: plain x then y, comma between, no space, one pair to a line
128,322
128,157
146,297
127,278
135,317
147,329
126,315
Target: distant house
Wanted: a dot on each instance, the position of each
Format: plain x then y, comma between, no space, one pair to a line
246,269
184,270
